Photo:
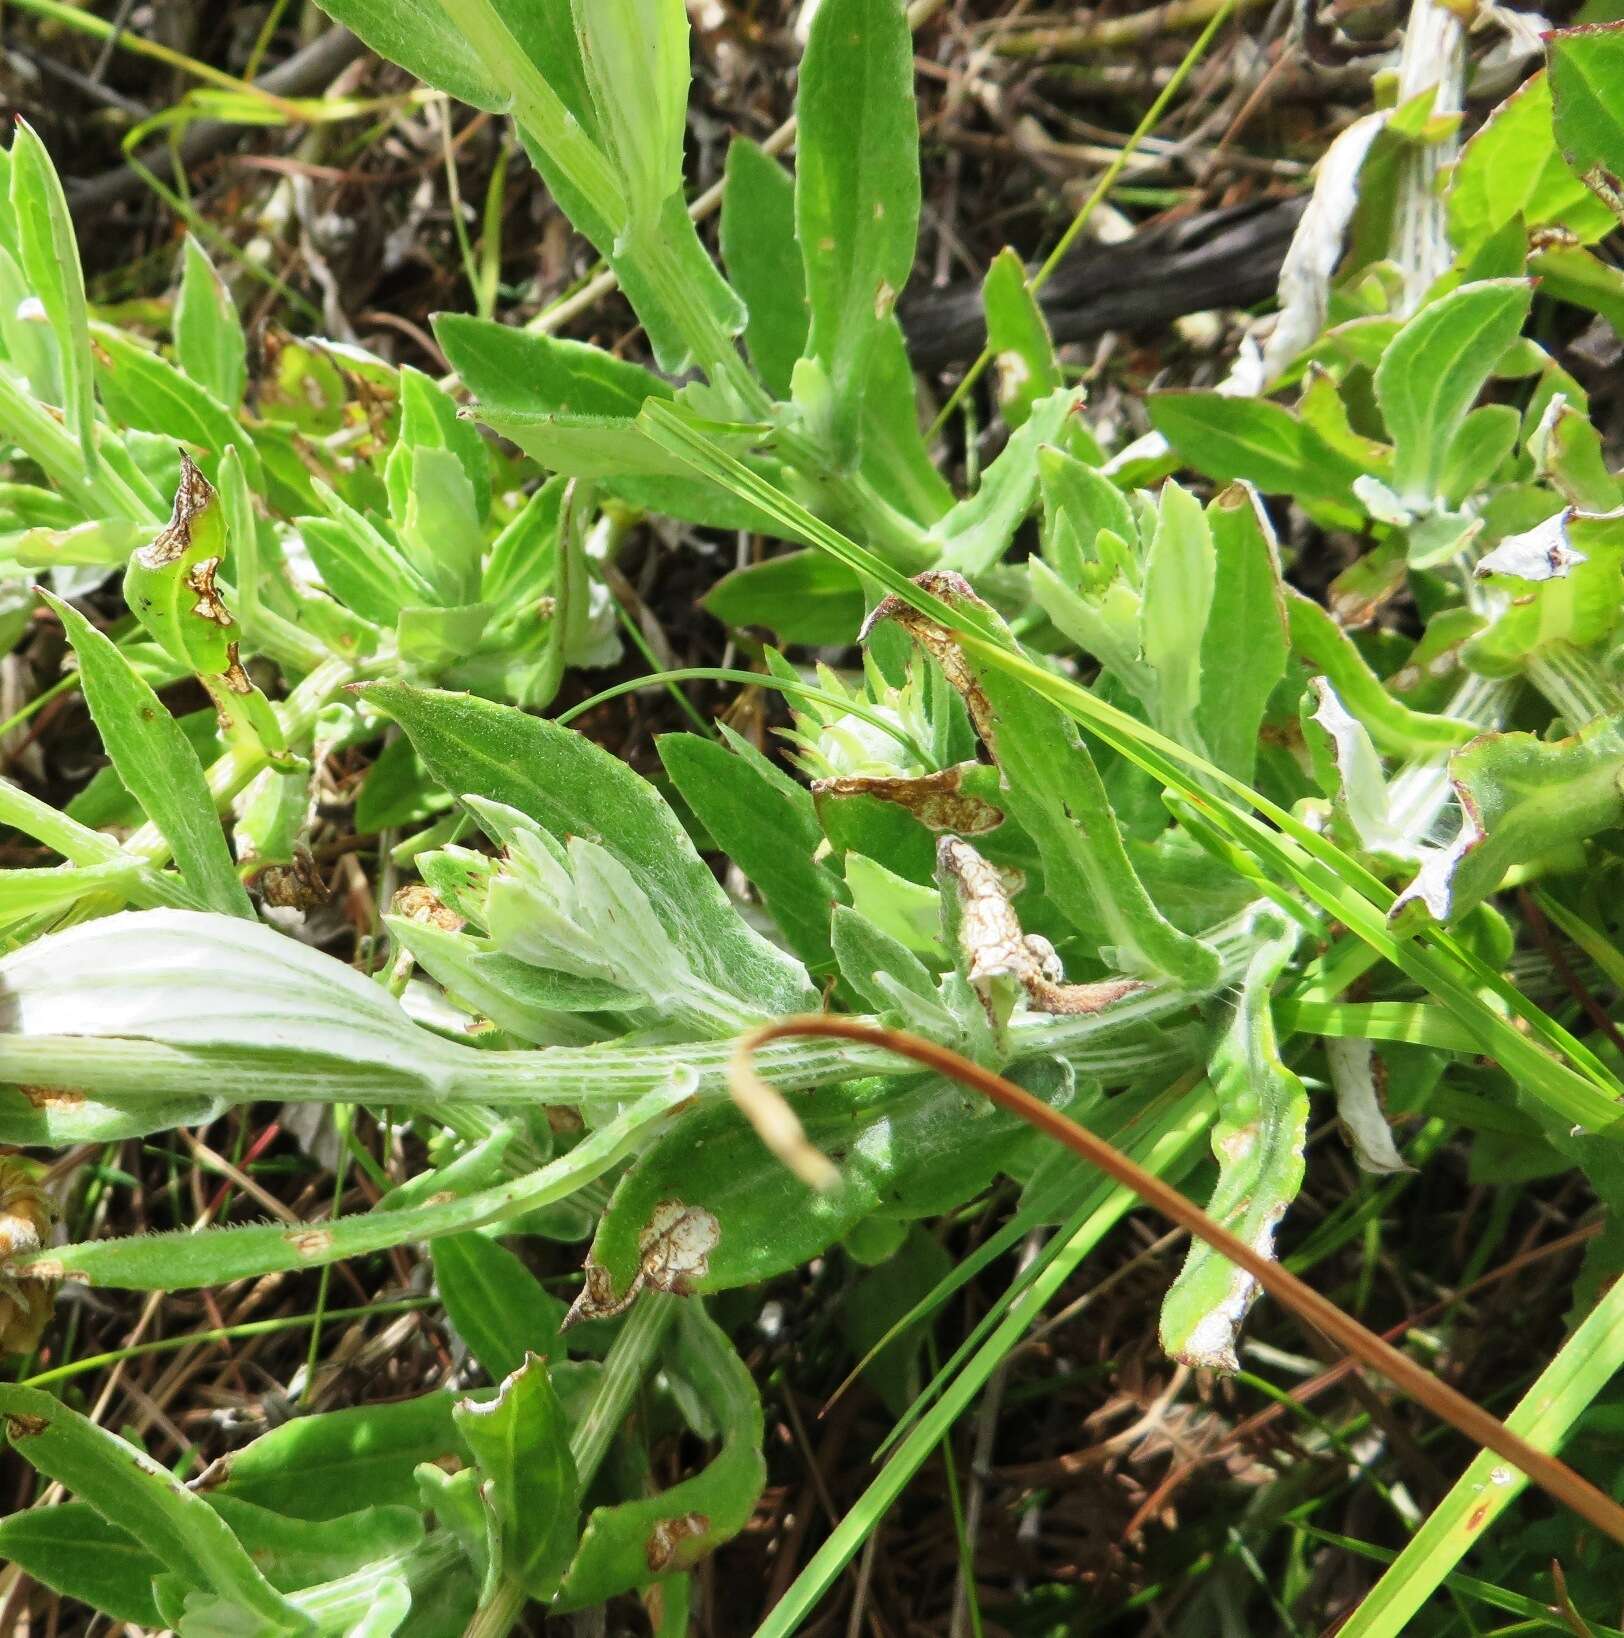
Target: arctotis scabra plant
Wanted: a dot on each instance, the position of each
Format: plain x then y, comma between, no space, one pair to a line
1086,769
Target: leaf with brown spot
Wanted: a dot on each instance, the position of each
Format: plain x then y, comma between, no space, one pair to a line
674,1250
626,1547
997,957
1053,790
939,801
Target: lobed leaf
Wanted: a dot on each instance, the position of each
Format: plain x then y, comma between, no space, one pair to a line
570,786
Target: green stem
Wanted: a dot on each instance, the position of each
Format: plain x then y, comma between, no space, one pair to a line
595,1080
495,1619
539,108
86,22
628,1362
1134,1037
1575,682
47,443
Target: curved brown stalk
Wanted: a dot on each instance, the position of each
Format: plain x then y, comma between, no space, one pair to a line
1550,1474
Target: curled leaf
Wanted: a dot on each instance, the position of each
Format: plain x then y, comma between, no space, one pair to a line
996,951
1353,1064
170,587
1545,552
1052,788
674,1249
1258,1143
940,801
1519,797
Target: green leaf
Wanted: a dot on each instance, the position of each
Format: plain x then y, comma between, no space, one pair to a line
978,531
636,57
708,1208
895,458
429,420
209,340
176,1261
121,1482
856,188
1432,372
520,1439
607,448
397,792
513,371
432,641
73,1550
1253,439
1395,728
1018,338
763,260
1481,442
770,837
534,54
280,1008
140,389
524,556
638,1542
359,566
104,804
170,586
321,1467
1180,574
1553,585
50,259
1055,794
1512,168
420,36
805,597
1586,64
155,762
439,529
295,1554
868,1312
573,407
1078,502
31,348
496,1304
572,787
1258,1142
1520,797
887,975
1245,642
1572,274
